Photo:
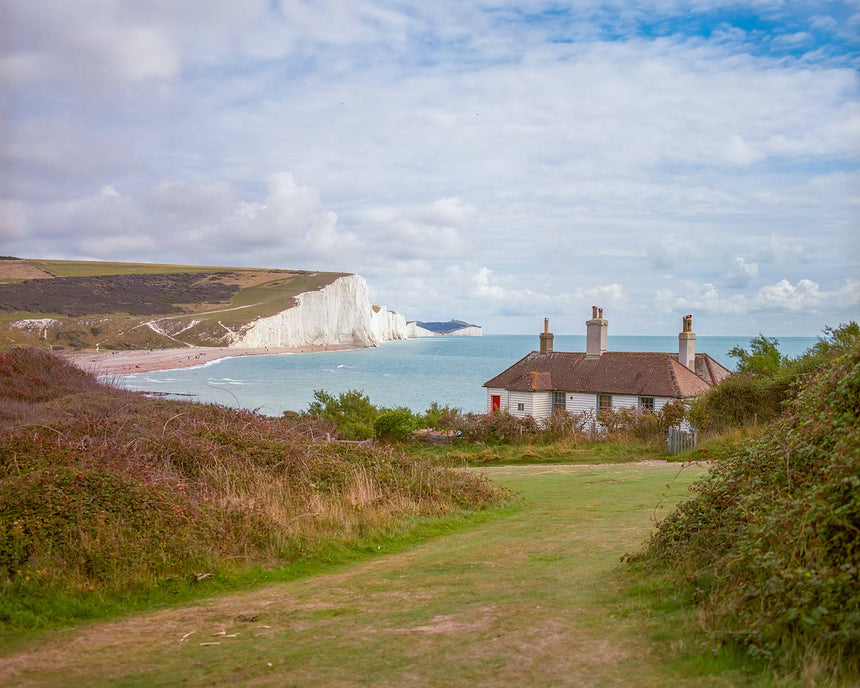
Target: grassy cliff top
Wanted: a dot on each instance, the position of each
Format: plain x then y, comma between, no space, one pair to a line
116,299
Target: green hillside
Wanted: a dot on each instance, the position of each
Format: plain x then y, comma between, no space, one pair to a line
61,304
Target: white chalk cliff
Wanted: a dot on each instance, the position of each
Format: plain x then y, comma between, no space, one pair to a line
339,314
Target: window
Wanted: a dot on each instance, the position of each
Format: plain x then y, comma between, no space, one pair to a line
646,404
558,401
521,407
604,402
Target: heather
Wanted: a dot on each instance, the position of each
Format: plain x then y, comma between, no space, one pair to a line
105,493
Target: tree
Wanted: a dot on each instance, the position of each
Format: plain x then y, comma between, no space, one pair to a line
394,425
351,413
763,358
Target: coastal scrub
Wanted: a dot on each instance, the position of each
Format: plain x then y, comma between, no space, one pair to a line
106,493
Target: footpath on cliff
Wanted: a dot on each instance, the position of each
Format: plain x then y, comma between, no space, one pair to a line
536,597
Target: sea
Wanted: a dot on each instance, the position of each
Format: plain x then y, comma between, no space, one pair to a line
412,373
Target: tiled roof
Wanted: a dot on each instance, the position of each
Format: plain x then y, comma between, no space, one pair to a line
615,372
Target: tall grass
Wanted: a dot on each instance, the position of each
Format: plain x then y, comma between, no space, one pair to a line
104,491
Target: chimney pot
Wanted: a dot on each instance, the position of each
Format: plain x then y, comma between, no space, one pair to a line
594,311
599,312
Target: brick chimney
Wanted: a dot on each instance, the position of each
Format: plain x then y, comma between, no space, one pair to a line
687,344
595,334
546,338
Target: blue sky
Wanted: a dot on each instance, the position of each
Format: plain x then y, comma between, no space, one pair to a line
498,162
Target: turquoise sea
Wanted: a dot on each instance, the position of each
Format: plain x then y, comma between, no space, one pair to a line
411,373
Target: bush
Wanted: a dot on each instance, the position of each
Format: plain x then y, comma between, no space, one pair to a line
765,380
106,494
394,425
351,413
770,539
440,417
497,427
644,425
563,424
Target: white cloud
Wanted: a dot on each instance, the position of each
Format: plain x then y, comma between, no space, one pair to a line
87,42
705,299
672,251
525,300
806,296
742,273
562,149
781,297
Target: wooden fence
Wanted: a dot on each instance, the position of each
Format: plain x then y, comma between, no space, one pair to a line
681,440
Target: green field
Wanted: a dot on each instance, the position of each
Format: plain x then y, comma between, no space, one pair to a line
259,292
90,268
536,596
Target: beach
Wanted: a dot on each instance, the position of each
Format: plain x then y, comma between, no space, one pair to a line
147,360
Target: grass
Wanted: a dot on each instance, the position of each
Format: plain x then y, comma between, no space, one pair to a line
273,296
262,293
524,597
560,452
723,445
91,268
110,501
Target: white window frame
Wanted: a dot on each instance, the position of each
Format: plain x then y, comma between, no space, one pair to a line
600,397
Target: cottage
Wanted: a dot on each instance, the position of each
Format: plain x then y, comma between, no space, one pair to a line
598,379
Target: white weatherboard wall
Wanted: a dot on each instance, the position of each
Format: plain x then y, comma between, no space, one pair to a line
339,314
502,393
581,403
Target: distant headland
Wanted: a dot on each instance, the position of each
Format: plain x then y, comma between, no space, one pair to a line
450,328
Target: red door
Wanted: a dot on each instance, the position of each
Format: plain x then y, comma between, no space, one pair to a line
496,402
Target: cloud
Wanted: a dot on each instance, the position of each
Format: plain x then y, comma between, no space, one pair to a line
806,296
672,251
563,149
189,202
741,273
491,290
781,297
454,212
85,43
200,221
705,299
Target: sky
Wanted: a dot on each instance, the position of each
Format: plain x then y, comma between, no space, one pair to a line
496,161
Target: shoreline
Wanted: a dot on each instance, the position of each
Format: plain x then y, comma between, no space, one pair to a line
102,363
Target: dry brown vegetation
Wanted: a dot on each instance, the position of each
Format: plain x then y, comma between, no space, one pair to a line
106,490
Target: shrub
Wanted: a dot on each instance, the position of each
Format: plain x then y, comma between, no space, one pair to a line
394,425
105,493
765,380
644,425
561,424
440,417
351,413
497,427
770,538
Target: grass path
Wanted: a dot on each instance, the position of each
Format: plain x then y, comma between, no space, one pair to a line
528,599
